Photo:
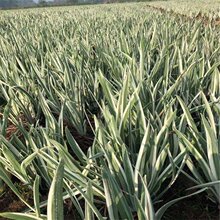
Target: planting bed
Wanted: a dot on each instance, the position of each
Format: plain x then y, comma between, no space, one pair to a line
110,112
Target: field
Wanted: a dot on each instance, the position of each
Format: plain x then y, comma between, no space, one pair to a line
208,8
110,112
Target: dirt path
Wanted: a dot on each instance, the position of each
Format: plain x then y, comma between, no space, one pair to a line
199,17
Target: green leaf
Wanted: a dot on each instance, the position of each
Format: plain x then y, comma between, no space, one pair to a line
20,216
55,197
37,196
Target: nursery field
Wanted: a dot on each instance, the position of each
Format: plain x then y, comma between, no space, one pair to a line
109,112
208,8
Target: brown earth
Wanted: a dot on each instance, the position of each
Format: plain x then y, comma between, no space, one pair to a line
200,17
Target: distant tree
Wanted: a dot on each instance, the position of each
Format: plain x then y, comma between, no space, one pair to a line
8,3
62,1
67,1
15,3
42,2
26,2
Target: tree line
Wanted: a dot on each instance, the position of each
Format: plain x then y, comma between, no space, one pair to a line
15,3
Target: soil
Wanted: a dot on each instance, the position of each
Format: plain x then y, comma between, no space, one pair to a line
9,202
84,141
200,17
197,207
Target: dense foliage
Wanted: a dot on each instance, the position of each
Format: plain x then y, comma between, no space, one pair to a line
107,106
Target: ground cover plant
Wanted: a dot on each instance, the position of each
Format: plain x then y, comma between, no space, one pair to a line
103,109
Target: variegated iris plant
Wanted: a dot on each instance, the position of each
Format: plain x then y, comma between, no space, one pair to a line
140,87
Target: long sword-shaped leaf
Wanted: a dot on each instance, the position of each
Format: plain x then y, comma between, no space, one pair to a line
55,197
